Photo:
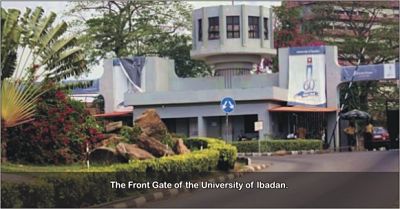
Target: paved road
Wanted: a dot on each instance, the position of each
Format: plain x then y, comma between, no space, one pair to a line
373,161
357,179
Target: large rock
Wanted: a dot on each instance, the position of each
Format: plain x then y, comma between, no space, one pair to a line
180,147
154,146
105,155
110,141
151,124
132,151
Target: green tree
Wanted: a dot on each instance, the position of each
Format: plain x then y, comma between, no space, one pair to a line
126,28
177,47
287,31
33,49
34,53
45,52
361,30
365,33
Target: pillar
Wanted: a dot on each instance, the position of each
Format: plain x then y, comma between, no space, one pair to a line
201,126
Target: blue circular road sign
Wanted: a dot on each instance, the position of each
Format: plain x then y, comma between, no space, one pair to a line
228,104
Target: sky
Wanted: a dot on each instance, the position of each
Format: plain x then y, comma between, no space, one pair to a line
59,8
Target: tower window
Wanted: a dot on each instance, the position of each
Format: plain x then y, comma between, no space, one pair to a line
232,27
213,28
266,28
200,30
254,27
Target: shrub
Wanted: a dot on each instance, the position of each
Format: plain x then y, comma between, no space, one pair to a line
93,187
131,133
181,167
10,196
81,189
275,145
58,134
227,152
27,194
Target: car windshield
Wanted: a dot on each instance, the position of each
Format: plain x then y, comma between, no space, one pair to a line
379,130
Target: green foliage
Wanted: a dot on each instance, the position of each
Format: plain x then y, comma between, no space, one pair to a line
10,35
367,27
92,187
127,28
46,51
77,189
227,152
363,31
10,196
275,145
177,48
85,188
182,167
58,135
33,48
287,31
27,194
131,133
167,139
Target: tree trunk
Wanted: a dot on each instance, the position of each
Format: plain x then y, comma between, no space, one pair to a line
4,139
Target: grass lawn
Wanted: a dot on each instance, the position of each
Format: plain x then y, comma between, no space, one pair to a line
12,167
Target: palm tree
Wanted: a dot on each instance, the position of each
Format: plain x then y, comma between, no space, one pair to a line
33,53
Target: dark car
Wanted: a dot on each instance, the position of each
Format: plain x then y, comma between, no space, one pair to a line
380,138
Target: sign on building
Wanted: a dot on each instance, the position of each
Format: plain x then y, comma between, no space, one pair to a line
258,126
371,72
307,76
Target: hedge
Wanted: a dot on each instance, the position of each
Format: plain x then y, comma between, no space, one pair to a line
275,145
27,195
82,189
227,152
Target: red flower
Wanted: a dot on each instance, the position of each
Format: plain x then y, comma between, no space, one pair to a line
60,95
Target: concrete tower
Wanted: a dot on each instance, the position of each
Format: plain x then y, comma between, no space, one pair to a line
232,38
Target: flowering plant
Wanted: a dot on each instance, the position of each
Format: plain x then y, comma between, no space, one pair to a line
59,133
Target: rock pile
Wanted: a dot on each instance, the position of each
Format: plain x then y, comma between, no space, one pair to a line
149,144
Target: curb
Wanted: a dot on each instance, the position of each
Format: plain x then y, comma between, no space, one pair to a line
136,202
283,153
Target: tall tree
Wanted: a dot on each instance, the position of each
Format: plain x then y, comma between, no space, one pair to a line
287,32
364,31
126,28
32,50
355,25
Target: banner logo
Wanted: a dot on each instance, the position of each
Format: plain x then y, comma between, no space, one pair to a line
309,83
307,76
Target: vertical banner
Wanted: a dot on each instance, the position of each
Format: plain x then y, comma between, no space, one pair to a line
307,76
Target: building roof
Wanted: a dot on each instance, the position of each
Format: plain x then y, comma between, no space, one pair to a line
302,109
114,114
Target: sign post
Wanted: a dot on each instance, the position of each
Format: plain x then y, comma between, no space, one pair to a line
226,127
258,126
227,105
